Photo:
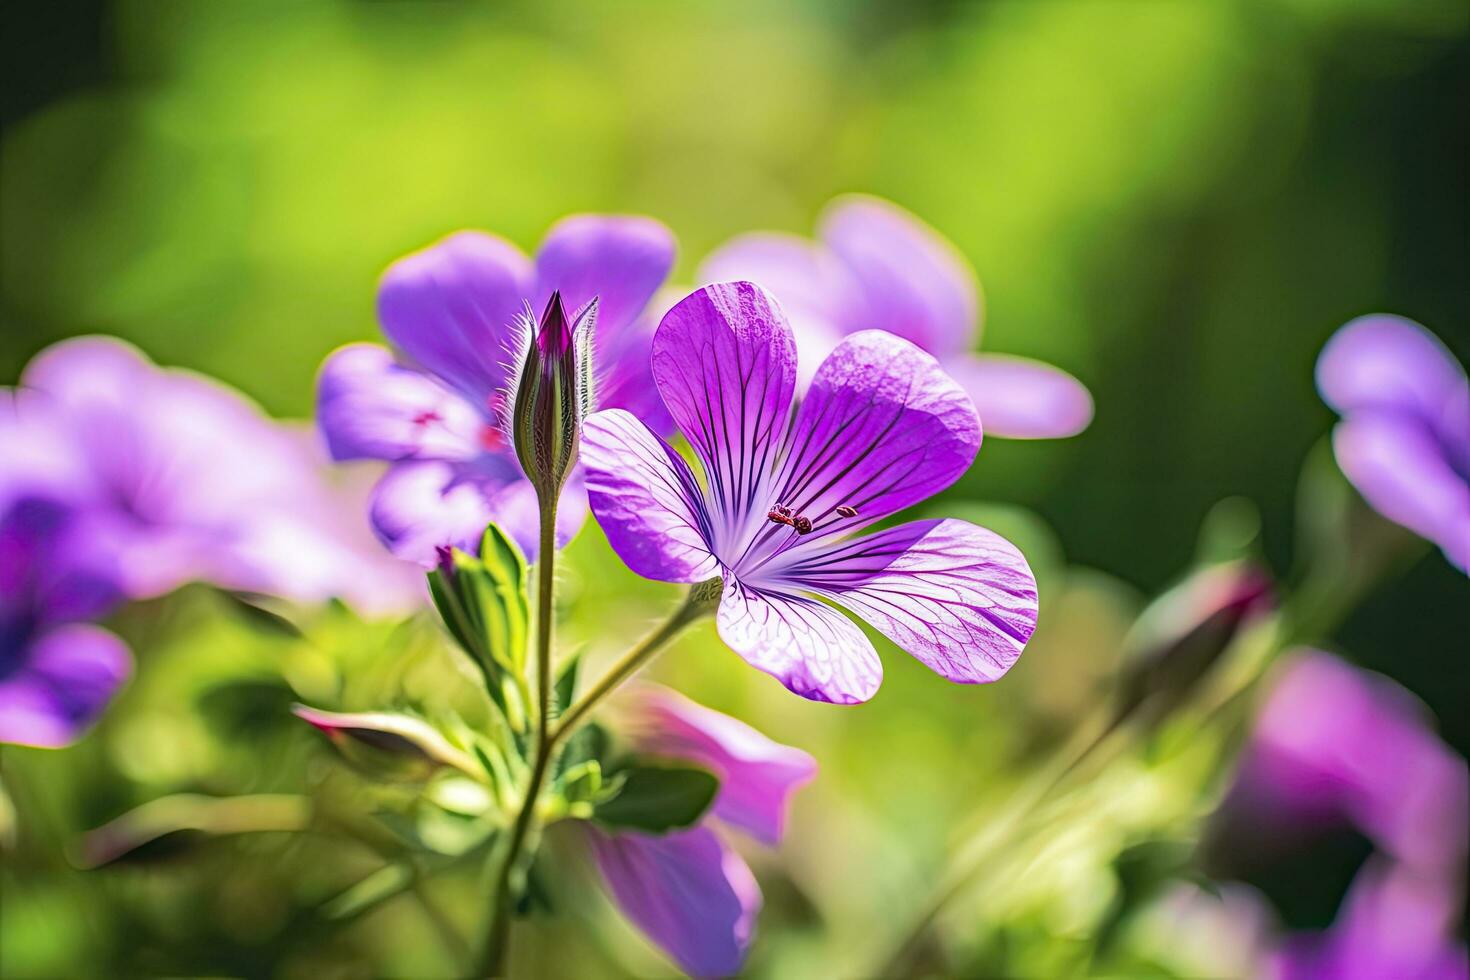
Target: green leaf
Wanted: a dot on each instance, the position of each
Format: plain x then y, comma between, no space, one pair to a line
655,800
566,682
484,604
506,567
254,609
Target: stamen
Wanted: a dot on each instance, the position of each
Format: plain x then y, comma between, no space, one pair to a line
846,510
803,525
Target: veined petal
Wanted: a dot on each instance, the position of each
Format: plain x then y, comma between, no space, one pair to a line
621,260
450,307
688,892
61,685
371,407
1019,398
882,428
757,774
1401,470
1388,363
725,362
806,279
813,649
913,281
646,500
959,598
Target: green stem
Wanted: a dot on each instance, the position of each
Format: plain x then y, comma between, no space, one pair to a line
701,600
497,945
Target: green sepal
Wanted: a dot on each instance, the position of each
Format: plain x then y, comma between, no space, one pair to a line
485,606
657,799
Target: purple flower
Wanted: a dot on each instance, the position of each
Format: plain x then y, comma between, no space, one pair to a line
876,266
1404,438
880,428
689,891
1394,923
436,410
1338,746
57,672
177,478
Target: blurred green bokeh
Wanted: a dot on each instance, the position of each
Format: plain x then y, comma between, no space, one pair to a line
1177,202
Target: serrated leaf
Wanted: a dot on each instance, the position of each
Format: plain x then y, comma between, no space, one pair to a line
655,800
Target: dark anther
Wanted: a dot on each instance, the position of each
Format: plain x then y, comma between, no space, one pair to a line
780,515
847,511
802,525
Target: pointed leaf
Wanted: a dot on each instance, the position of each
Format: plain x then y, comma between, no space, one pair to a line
655,800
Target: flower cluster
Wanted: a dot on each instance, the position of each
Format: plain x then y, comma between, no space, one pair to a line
1336,747
125,481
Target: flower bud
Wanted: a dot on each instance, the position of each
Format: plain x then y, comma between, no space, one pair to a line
387,746
553,394
1185,631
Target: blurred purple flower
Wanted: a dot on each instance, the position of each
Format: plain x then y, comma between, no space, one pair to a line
178,478
1335,746
689,891
436,410
1404,438
1394,923
1338,746
57,672
881,428
876,266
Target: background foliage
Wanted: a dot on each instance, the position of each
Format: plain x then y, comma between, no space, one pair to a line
1178,203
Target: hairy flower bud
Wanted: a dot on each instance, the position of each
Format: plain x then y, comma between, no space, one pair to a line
1186,630
553,393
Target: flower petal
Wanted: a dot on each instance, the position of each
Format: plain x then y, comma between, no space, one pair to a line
61,685
883,427
1019,398
958,597
690,894
619,259
1336,743
1401,470
371,407
913,281
420,506
725,362
1393,923
450,307
806,279
646,500
1388,363
757,774
813,649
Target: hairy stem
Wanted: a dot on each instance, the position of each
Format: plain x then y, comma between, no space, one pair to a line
497,945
